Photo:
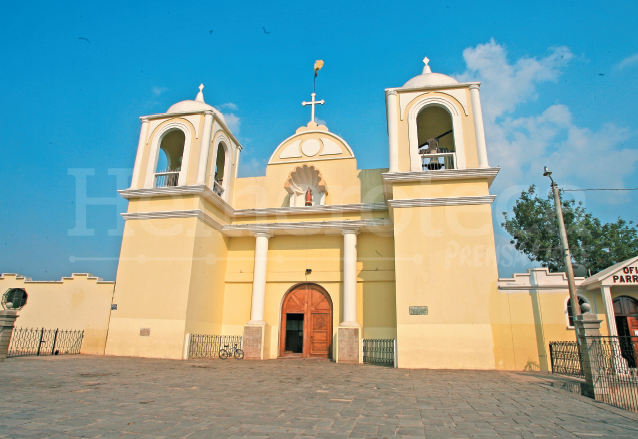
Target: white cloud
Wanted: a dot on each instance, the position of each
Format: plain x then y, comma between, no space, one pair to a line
506,85
521,146
628,62
230,106
320,121
233,122
159,90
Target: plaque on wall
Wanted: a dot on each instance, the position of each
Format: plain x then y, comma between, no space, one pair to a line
418,310
145,332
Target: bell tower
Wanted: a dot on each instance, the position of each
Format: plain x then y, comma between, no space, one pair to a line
170,277
437,190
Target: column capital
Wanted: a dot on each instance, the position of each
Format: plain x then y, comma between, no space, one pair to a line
474,86
345,232
390,92
208,112
144,119
262,234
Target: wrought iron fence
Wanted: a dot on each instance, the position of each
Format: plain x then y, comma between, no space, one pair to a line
613,364
565,358
614,370
208,346
379,351
41,341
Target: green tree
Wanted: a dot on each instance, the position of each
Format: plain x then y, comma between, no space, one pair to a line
534,229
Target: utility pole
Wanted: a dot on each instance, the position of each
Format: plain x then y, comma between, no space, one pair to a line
563,240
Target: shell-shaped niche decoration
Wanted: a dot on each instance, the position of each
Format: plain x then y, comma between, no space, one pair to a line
300,180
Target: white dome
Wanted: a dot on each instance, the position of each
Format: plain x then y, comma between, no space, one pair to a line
429,79
191,106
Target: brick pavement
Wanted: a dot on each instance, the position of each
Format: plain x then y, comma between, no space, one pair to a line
114,397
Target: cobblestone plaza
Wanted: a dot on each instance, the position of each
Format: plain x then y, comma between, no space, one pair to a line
112,397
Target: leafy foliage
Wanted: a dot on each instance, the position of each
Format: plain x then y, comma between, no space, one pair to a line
535,232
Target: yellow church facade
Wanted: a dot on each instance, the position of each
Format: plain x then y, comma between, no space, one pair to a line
317,254
383,250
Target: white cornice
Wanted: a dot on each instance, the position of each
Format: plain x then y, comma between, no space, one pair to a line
313,210
443,201
451,174
203,190
195,213
300,227
433,87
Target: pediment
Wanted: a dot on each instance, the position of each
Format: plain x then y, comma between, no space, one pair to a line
312,143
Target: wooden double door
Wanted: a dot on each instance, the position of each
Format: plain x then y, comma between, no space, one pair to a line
306,322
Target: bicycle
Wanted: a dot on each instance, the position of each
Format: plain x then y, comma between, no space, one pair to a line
225,352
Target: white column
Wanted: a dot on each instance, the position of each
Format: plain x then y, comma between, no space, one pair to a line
259,278
393,136
140,152
478,126
237,161
204,148
609,311
350,277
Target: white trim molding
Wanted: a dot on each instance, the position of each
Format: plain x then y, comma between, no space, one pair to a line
451,174
205,191
195,213
443,201
300,228
313,210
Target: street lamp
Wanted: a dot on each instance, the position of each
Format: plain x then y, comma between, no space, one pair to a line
563,240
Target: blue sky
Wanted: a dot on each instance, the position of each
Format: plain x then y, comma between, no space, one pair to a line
559,87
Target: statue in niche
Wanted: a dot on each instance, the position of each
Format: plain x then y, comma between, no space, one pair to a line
308,197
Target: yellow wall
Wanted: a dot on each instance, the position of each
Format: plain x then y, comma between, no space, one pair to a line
168,269
80,302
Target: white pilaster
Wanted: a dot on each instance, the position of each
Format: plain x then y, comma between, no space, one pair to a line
478,126
140,152
393,137
350,277
259,278
204,148
237,161
609,311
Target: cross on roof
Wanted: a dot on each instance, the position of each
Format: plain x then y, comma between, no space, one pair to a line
313,103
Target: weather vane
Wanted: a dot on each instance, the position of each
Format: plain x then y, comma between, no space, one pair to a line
312,103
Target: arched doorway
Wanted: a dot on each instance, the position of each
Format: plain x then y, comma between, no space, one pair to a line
306,322
626,313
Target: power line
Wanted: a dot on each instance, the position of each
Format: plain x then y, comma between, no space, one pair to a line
583,190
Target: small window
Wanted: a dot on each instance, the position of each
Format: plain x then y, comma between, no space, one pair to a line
14,298
570,312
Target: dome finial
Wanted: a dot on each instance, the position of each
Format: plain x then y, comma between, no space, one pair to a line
200,95
426,67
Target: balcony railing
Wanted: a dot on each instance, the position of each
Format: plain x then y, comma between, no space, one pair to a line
167,178
217,187
437,161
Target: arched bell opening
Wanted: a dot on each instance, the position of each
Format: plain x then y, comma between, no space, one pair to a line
435,133
219,183
306,322
169,161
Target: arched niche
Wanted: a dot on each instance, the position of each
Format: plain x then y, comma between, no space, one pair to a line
300,180
442,104
158,139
